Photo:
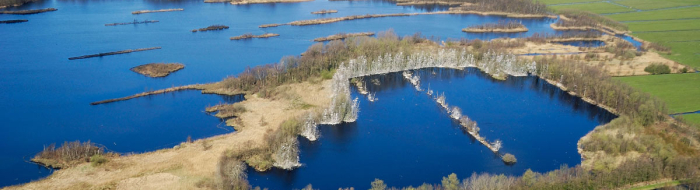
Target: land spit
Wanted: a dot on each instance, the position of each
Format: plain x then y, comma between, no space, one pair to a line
342,36
173,89
135,22
28,12
158,69
249,36
245,2
355,17
12,21
156,11
500,27
324,11
112,53
212,27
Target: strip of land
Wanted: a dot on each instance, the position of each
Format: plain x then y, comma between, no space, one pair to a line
113,53
342,36
130,23
12,21
158,69
156,11
28,12
325,11
250,36
212,27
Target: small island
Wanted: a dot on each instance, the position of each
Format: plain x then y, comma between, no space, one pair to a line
249,36
212,27
340,36
12,21
509,159
324,11
501,27
158,69
270,25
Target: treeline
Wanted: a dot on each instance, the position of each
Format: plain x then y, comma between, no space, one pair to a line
578,18
4,3
317,60
509,6
643,169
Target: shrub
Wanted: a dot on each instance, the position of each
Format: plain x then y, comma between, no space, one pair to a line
70,153
97,159
378,184
657,68
684,70
509,159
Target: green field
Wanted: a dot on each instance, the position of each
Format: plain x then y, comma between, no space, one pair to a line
687,53
692,118
657,4
679,91
692,12
596,7
670,36
549,2
665,25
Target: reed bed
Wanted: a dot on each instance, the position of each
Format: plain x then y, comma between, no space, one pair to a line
212,27
130,23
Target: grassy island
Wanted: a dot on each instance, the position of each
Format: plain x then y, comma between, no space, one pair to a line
250,36
500,27
158,69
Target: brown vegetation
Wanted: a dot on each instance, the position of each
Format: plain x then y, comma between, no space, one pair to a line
69,154
112,53
583,20
324,11
332,20
156,11
501,26
249,36
158,69
522,7
173,89
28,12
341,36
270,25
212,27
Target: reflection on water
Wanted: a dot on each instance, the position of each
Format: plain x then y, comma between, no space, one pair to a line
404,131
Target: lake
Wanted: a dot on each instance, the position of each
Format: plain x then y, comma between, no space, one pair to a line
45,97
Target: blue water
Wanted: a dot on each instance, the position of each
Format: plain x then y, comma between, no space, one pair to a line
45,97
405,138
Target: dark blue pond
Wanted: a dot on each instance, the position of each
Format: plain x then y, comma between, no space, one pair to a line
45,97
405,138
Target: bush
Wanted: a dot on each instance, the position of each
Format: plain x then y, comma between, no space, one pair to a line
70,153
684,70
509,159
657,68
97,159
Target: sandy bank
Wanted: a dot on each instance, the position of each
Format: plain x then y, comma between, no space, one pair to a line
192,165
